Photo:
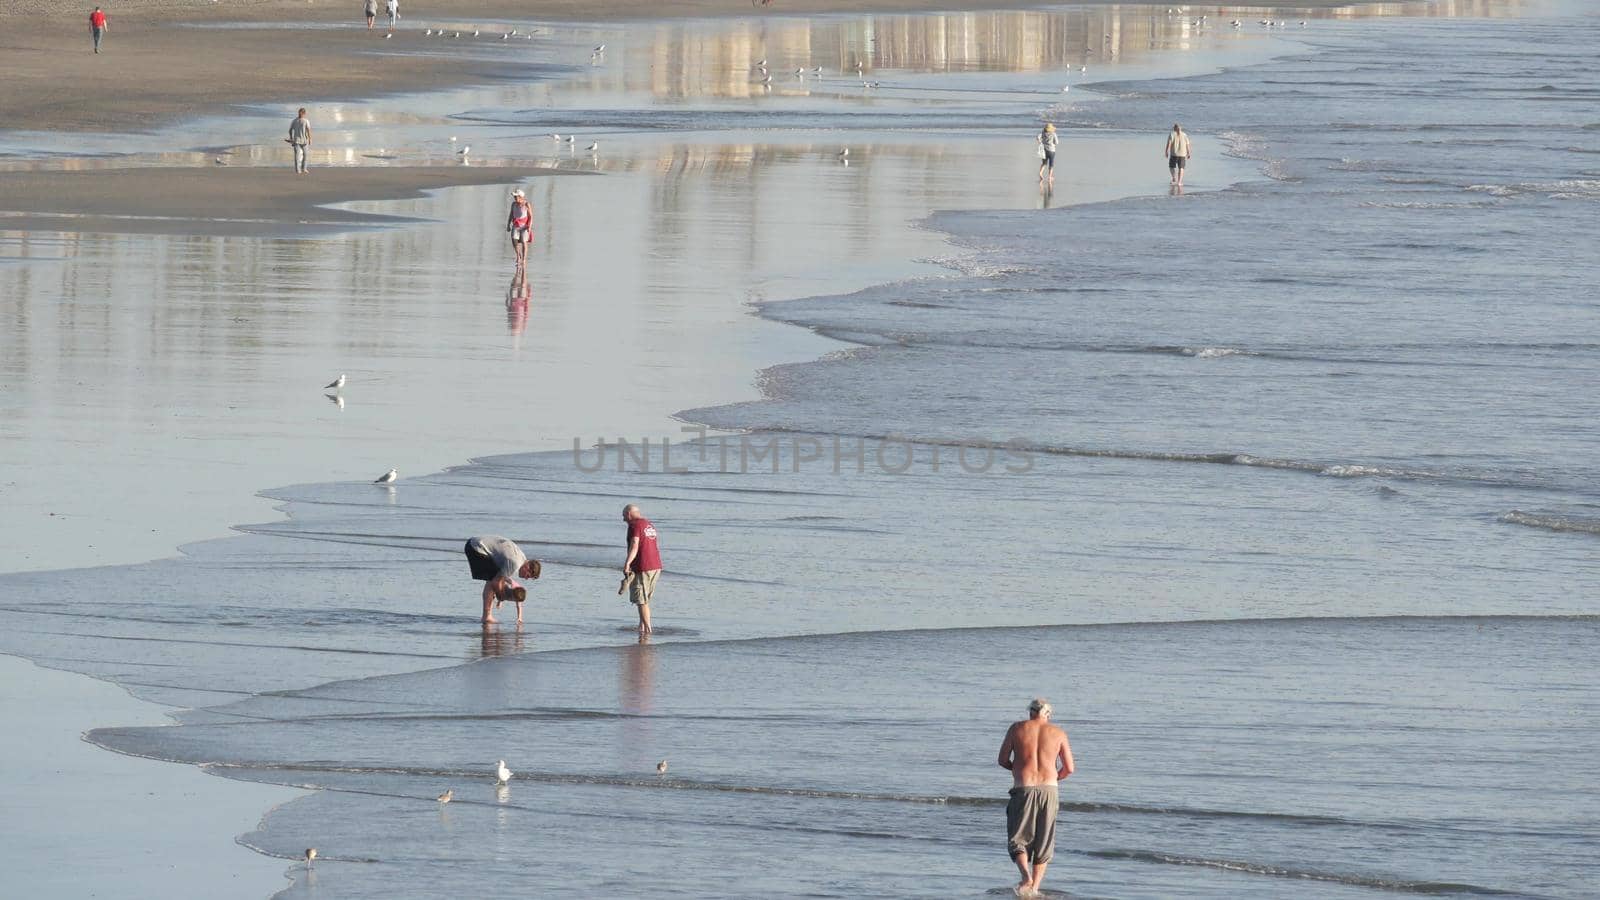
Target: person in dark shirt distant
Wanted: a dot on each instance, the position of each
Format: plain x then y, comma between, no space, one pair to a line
643,565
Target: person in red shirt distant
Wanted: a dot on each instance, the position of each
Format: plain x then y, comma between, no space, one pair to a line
97,26
643,565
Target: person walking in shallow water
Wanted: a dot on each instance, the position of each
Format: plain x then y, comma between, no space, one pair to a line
520,225
98,26
371,12
1177,153
299,139
1038,755
643,565
1048,142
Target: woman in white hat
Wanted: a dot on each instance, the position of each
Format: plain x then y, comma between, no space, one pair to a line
520,225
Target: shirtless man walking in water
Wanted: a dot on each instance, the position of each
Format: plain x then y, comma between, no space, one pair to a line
1038,755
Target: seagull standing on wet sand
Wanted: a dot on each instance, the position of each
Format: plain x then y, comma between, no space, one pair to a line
311,856
335,384
501,773
446,796
388,477
594,147
661,767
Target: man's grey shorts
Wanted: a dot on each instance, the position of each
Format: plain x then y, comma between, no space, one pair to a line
642,586
1031,822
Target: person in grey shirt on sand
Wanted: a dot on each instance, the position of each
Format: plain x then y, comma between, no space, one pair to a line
498,562
300,138
1038,755
371,12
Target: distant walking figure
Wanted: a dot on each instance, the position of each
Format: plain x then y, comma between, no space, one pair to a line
300,138
498,562
1048,142
1177,153
392,7
643,565
98,26
1038,755
371,12
520,225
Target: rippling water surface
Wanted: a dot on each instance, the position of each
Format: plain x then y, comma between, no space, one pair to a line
1284,493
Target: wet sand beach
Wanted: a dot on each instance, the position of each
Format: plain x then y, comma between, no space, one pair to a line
179,317
169,324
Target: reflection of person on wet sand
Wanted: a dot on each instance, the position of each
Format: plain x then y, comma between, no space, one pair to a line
493,561
494,642
519,224
518,297
1038,755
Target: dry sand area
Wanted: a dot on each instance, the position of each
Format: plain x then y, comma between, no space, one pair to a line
259,200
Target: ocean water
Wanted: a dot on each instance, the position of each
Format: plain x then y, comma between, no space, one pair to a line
1283,491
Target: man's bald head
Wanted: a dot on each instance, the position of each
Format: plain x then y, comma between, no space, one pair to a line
630,512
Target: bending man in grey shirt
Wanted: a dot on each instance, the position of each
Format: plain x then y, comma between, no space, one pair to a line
494,560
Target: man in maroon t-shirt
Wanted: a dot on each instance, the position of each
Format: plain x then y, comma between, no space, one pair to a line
97,26
643,565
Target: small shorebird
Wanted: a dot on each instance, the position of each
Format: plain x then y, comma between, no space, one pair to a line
816,72
220,161
844,152
799,73
387,477
464,151
335,384
767,81
594,147
388,36
446,796
555,137
571,139
501,773
474,32
506,36
1065,88
600,49
428,33
762,64
311,856
661,767
1083,70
